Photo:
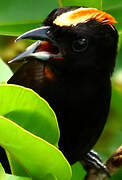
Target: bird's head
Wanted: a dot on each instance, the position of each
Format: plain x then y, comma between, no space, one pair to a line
74,38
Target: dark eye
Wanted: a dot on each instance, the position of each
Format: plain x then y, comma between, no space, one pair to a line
80,45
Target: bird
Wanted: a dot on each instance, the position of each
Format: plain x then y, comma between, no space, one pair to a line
70,65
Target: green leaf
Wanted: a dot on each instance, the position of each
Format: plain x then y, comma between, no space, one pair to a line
78,171
12,177
89,3
17,29
5,71
36,156
2,173
4,176
14,13
29,110
16,168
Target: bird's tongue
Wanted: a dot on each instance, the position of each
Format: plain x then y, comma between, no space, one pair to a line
47,47
47,51
50,49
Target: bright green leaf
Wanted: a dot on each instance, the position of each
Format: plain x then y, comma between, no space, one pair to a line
29,110
2,173
4,176
16,168
36,156
50,177
5,71
12,177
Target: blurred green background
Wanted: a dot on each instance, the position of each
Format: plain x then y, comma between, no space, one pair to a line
17,17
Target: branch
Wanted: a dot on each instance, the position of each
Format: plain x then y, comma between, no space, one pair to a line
113,164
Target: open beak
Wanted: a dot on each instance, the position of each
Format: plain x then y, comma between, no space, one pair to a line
44,49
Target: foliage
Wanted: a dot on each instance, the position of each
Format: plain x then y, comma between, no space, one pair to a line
5,72
32,135
28,127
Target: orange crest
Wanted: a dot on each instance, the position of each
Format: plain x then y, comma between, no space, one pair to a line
83,15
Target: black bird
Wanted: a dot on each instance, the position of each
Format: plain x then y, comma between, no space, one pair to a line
71,66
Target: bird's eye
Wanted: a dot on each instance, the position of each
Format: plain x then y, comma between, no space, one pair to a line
80,45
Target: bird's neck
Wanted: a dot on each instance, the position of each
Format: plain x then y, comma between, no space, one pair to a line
95,76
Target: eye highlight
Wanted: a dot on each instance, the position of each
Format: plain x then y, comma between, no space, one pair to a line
80,45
